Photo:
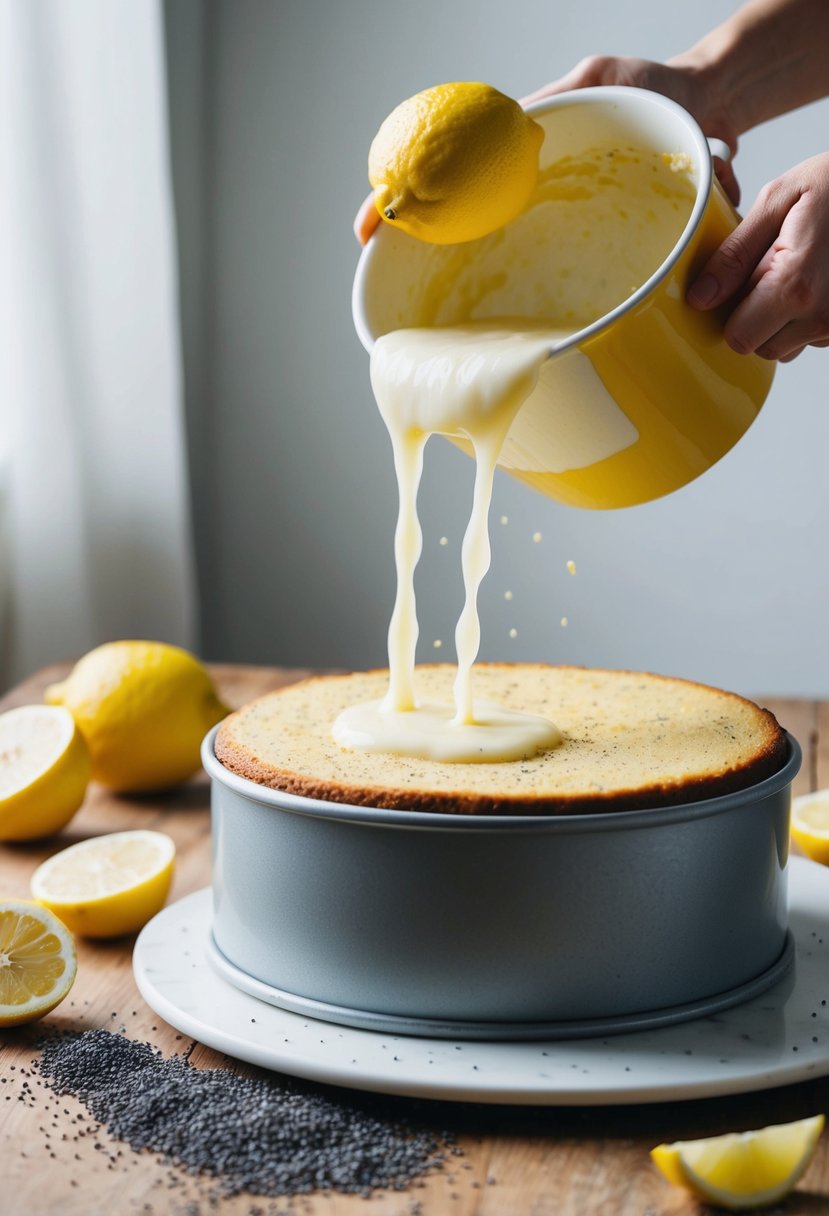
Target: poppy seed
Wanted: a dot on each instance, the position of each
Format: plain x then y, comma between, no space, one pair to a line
266,1135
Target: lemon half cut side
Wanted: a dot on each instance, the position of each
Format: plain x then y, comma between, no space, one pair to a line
742,1170
44,771
810,825
38,963
108,885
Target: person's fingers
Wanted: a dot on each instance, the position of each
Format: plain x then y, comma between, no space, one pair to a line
563,85
724,170
776,316
366,220
787,359
792,338
785,306
586,73
748,329
789,339
731,266
766,321
548,90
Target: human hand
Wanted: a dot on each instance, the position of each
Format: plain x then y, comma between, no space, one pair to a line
775,267
366,220
679,78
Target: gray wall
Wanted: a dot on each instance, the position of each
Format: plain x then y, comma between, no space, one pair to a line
274,105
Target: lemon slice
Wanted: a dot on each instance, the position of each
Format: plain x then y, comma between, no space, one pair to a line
810,825
37,961
44,771
742,1170
108,885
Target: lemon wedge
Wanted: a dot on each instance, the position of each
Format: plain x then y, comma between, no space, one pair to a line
108,885
810,825
44,771
742,1170
454,162
38,963
143,709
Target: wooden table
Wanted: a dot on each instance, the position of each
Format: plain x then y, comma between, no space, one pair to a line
564,1161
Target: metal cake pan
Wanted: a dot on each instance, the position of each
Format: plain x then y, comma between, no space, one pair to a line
499,926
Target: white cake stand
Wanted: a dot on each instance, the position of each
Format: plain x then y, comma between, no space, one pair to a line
779,1037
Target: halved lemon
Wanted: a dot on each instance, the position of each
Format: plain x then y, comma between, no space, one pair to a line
38,963
810,825
44,771
108,885
742,1170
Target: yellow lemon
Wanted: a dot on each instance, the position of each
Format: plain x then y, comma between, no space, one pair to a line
44,771
810,825
108,885
744,1170
38,963
454,163
143,709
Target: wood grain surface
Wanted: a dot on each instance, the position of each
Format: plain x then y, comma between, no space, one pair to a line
525,1161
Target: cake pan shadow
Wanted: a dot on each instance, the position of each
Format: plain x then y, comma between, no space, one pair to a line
500,926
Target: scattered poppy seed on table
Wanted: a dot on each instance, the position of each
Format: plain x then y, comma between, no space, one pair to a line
267,1136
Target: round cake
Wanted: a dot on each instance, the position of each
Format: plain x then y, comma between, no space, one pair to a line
631,740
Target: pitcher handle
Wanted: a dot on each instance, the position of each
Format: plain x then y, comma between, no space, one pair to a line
720,149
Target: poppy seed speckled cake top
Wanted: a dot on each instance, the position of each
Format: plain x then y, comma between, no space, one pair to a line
630,740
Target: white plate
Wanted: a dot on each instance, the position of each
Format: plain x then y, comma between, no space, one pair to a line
779,1037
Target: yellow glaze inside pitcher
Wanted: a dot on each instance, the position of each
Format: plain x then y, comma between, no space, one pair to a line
643,394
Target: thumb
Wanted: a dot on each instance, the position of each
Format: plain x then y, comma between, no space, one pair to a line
731,266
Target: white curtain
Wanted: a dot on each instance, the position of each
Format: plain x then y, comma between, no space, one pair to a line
94,516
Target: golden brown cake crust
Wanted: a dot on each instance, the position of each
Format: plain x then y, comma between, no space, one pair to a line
632,740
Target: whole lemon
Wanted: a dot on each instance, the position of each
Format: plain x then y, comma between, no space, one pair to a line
143,709
454,163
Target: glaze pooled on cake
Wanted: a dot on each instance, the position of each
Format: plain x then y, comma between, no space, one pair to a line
630,740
